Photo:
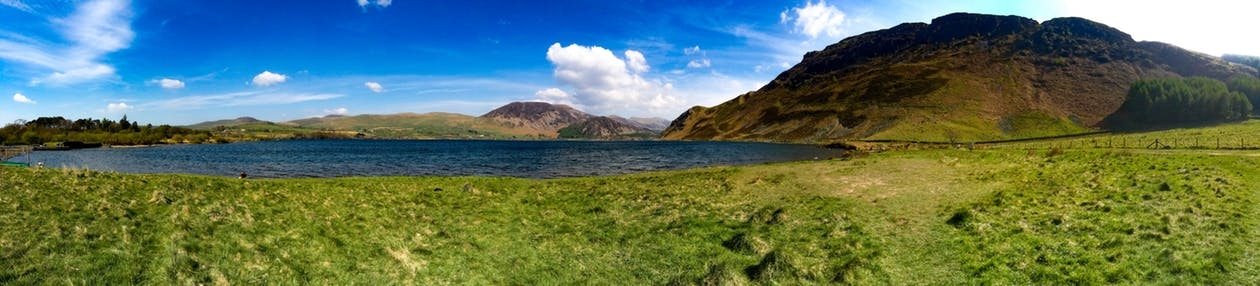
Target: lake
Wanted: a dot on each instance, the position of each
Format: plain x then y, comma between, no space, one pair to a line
342,158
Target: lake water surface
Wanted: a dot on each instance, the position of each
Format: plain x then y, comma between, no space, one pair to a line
341,158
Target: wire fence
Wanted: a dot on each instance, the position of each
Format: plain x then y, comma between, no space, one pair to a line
1207,142
8,152
1139,142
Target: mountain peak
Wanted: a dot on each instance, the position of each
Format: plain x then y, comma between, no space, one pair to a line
539,116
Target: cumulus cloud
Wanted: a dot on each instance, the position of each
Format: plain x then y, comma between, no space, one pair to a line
118,107
602,83
636,61
267,78
337,111
19,98
168,83
374,86
814,19
93,30
554,95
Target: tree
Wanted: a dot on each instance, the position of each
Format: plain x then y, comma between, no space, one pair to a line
123,124
1162,102
1248,86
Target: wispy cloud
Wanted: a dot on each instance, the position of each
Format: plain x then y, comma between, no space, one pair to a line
364,4
93,30
15,4
19,98
336,111
248,98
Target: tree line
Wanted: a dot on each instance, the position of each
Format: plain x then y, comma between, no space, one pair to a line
1251,61
1177,101
122,132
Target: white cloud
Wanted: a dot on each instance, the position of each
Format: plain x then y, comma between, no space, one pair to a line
118,107
374,86
94,29
605,84
814,19
699,64
378,3
692,50
337,111
267,78
168,83
19,98
554,95
636,61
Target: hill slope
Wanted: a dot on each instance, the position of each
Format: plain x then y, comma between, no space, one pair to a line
566,122
413,125
208,125
603,127
963,77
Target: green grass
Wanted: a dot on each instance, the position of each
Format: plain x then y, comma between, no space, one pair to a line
1243,135
914,217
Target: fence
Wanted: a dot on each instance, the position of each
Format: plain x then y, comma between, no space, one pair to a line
1095,141
7,152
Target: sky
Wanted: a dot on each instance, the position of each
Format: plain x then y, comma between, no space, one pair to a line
184,62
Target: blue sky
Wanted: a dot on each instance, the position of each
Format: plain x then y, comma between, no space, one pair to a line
183,62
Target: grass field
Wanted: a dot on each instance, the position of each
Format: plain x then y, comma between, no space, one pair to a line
1005,216
1244,135
912,217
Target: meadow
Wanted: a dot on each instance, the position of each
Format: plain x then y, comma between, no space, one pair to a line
989,216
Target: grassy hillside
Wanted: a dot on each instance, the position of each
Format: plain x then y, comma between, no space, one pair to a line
915,217
412,125
963,77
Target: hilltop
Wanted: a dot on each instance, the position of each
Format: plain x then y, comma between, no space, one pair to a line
963,77
517,120
569,123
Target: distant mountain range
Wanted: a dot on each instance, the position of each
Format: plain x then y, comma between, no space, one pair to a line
964,77
517,120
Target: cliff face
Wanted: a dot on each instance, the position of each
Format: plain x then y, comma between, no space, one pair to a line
961,77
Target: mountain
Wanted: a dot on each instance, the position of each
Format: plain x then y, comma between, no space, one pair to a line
963,77
539,116
605,127
566,122
226,122
653,123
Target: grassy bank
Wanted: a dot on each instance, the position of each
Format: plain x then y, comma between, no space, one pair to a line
916,217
